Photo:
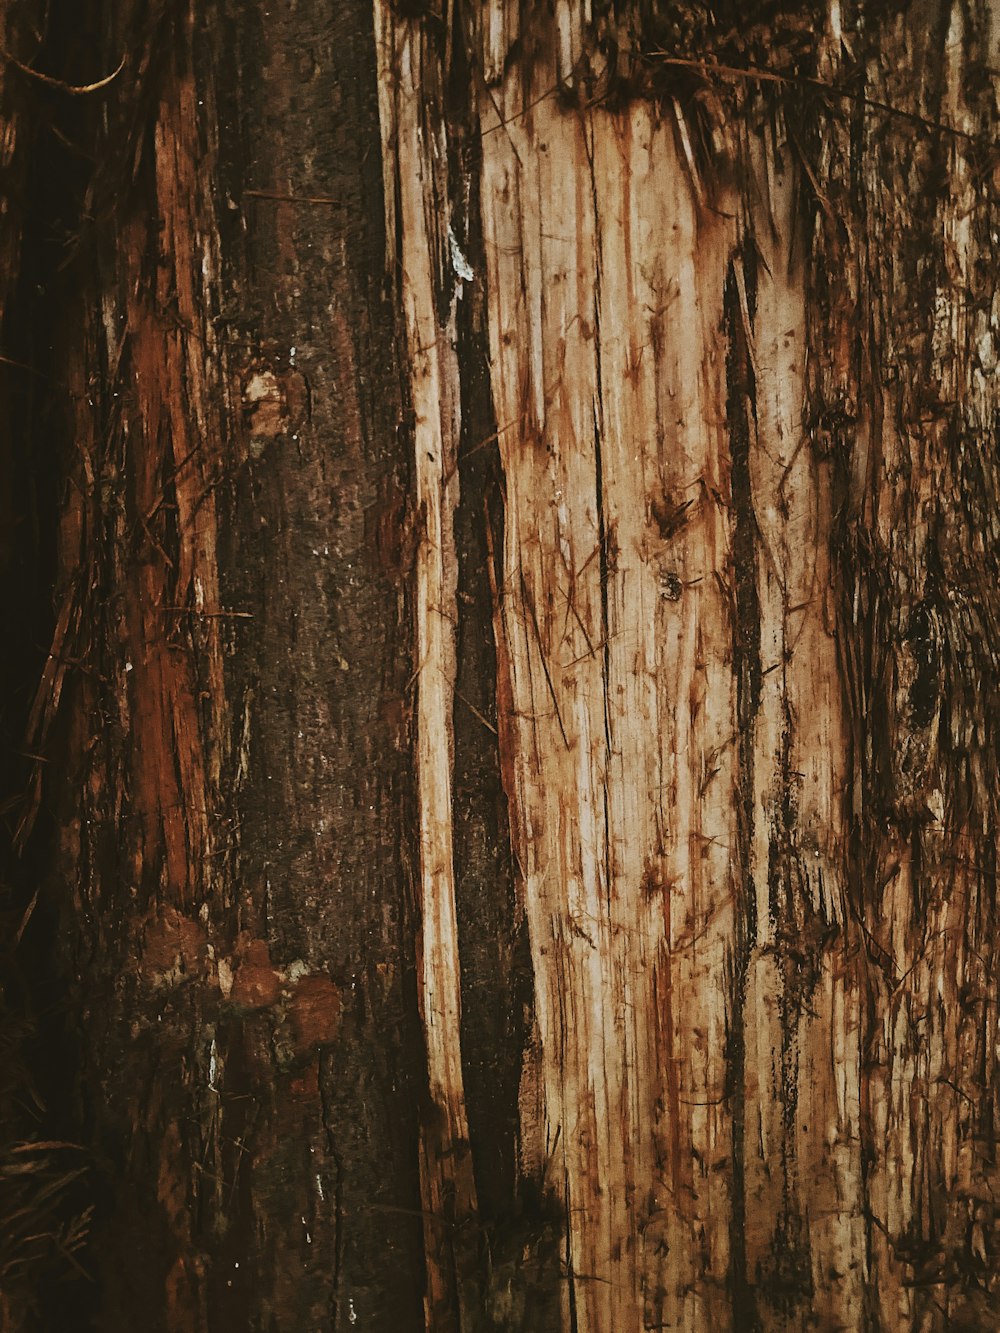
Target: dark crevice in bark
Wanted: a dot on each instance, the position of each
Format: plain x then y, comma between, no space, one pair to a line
43,187
516,1278
741,420
605,542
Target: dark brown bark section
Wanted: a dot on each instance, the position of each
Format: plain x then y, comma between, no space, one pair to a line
327,812
237,784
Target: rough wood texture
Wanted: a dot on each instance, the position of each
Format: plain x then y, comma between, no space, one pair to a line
746,659
613,527
236,820
525,666
409,80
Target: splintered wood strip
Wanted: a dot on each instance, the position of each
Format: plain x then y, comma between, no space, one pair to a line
626,912
753,1084
802,1068
670,699
407,70
178,761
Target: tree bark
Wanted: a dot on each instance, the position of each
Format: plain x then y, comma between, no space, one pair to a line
524,666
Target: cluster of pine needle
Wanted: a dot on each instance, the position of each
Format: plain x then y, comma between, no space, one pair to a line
42,1228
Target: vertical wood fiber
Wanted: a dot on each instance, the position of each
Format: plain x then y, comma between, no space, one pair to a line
747,646
682,320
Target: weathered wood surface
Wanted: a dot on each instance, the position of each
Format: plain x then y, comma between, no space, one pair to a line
526,666
236,800
741,356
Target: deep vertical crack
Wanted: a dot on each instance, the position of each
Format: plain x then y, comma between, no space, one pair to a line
741,419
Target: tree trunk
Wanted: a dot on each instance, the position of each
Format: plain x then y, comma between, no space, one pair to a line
520,715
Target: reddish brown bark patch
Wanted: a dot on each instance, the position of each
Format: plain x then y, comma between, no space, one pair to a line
314,1011
256,984
173,945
